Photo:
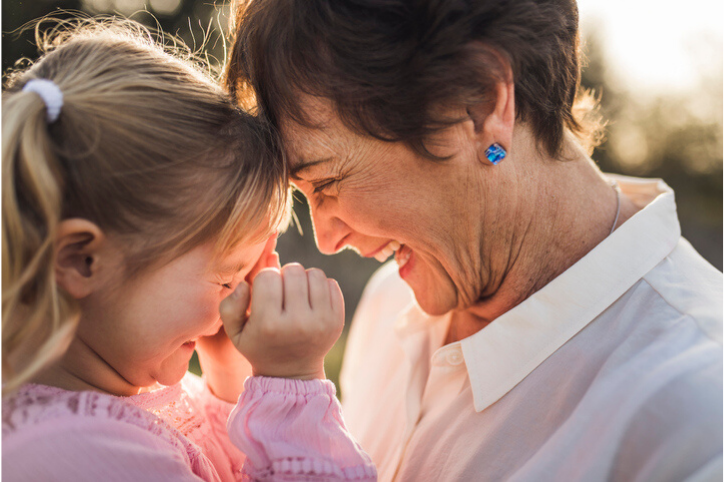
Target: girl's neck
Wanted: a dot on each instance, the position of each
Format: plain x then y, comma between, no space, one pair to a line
81,369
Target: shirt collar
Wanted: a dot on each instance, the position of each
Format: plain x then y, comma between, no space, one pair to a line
502,354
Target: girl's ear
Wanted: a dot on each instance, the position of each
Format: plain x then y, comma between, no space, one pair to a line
78,248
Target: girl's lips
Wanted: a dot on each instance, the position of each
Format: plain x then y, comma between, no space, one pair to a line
190,344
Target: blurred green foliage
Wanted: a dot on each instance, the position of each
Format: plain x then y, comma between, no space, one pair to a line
677,137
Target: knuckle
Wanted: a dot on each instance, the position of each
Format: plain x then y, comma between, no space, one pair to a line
228,312
266,277
321,330
316,274
293,269
269,330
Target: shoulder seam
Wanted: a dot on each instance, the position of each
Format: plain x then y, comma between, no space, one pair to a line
685,315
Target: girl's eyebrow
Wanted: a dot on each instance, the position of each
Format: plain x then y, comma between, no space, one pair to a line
232,268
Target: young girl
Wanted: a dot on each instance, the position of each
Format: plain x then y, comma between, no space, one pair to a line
136,198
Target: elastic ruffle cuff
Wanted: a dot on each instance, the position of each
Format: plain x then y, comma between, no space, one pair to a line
288,386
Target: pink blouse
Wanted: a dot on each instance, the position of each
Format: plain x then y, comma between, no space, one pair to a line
281,430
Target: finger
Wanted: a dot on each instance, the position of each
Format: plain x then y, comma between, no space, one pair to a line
266,259
272,242
296,289
267,295
233,310
273,260
336,298
318,288
269,247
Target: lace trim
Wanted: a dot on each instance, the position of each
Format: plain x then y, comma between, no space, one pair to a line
174,405
309,467
36,404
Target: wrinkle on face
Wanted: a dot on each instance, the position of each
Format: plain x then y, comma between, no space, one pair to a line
451,213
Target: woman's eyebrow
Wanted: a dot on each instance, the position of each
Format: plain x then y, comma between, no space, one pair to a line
304,165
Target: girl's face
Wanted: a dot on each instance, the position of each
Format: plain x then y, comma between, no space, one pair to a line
145,329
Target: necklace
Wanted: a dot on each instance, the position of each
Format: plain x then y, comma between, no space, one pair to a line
615,187
452,330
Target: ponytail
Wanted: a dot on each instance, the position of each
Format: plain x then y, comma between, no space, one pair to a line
146,146
38,320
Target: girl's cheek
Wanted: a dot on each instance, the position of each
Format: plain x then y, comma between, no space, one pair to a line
207,306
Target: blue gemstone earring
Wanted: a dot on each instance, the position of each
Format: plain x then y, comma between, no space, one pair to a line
495,153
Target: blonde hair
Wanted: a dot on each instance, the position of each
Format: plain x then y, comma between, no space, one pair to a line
147,146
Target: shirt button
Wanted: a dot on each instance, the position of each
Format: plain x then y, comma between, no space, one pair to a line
454,357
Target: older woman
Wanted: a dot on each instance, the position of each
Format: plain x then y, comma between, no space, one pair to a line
561,328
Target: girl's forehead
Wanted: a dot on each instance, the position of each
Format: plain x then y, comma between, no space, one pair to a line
239,258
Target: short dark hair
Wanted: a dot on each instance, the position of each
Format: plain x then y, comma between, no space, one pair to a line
386,64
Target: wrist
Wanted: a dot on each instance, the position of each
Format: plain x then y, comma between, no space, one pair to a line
309,374
226,385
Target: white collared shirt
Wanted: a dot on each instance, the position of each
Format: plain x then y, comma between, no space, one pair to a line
612,371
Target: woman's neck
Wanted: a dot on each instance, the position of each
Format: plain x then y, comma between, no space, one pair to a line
562,210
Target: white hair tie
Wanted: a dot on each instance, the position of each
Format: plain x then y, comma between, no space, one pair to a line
50,93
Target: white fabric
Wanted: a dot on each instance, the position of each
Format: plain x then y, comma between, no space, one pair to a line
50,93
613,371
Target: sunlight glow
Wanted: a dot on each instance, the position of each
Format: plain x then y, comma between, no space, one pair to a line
657,46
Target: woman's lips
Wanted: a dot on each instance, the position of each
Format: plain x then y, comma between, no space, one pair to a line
386,251
403,257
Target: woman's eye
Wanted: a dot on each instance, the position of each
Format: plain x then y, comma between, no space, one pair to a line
320,186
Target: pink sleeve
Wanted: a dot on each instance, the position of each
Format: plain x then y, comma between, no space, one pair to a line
293,430
93,449
224,455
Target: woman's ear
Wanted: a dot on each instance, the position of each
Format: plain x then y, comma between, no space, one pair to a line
78,247
494,120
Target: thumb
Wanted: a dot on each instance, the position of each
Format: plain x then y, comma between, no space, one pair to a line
273,260
233,310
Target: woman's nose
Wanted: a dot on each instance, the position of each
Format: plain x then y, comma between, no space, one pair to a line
329,231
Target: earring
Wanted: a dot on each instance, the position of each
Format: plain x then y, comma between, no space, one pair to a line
495,153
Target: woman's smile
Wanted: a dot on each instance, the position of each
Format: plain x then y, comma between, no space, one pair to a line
403,257
391,201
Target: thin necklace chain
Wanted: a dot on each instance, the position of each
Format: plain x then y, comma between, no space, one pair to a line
452,330
615,187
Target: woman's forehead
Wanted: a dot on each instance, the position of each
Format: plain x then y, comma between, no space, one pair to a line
329,137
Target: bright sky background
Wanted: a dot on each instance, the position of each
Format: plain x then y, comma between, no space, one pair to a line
655,46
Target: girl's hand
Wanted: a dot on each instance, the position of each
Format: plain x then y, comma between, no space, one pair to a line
296,317
224,368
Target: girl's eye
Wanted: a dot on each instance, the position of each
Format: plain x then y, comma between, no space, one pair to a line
227,285
320,186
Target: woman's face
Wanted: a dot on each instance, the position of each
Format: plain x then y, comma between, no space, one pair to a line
365,194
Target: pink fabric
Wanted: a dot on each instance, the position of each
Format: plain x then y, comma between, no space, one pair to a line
179,433
291,448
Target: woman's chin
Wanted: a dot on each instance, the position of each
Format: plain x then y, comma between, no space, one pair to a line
434,290
432,305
